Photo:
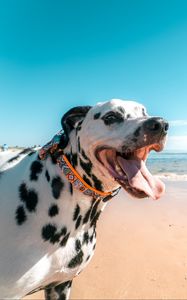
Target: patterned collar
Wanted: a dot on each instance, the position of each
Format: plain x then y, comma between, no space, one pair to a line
71,174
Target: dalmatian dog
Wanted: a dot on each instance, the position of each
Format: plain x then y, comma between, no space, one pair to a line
48,227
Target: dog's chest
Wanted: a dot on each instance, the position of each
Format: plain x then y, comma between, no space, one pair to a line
68,231
61,265
74,257
74,238
54,224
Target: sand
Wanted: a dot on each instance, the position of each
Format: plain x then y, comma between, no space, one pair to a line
141,250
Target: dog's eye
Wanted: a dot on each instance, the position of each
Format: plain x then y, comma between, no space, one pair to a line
110,117
113,117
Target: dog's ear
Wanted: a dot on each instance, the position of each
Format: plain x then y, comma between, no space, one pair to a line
70,120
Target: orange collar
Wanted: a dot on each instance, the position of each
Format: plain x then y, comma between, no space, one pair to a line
78,183
71,174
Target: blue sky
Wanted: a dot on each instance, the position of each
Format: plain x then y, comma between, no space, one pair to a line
58,54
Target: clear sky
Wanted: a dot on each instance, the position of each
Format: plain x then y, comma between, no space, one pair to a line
58,54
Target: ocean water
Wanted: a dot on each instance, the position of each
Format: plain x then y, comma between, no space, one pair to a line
166,164
170,165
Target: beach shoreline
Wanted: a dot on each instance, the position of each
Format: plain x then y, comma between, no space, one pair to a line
141,250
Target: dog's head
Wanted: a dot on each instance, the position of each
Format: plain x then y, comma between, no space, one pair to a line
117,136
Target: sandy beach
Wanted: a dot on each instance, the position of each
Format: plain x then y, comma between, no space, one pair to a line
141,250
93,95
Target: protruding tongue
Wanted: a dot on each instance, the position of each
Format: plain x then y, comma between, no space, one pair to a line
140,178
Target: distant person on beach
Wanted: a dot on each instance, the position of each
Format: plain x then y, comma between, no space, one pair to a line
5,147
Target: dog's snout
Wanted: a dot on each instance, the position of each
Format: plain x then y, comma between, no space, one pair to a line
156,126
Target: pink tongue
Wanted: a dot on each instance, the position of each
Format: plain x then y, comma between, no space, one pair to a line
140,178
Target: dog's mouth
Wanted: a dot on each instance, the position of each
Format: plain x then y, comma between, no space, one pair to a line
130,171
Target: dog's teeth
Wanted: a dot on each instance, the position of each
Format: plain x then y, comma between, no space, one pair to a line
118,169
145,137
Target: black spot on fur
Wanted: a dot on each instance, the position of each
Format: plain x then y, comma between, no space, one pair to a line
143,112
96,116
57,186
64,231
69,283
47,175
137,132
86,166
32,200
76,212
94,210
91,238
78,222
79,145
95,219
53,210
23,192
94,246
77,245
112,117
68,155
80,123
87,180
71,156
29,197
49,233
121,109
59,289
13,158
53,159
74,159
27,150
64,240
88,258
93,235
84,155
20,215
31,153
97,183
86,238
71,188
87,215
78,128
36,169
77,260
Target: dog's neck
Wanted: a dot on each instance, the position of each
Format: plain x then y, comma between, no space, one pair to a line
88,167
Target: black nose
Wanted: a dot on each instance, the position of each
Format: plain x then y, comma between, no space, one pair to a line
156,125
